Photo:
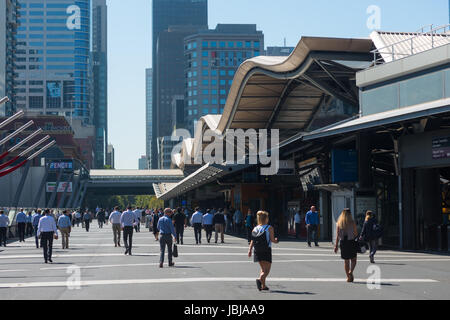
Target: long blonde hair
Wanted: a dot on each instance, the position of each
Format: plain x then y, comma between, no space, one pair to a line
263,217
345,220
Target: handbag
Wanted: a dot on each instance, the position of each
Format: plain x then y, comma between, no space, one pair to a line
175,251
361,246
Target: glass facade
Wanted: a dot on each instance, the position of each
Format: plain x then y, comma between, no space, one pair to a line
55,49
211,76
416,89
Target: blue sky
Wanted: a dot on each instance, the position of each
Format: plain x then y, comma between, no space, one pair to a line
130,38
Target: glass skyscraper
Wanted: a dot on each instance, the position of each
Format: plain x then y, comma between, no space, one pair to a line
211,60
170,13
100,80
53,58
148,114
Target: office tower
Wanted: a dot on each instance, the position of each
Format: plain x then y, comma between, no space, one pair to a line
110,156
167,13
279,51
100,80
178,111
211,60
8,28
143,163
53,59
148,114
165,148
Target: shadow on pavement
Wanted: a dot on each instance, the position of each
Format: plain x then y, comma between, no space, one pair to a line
291,292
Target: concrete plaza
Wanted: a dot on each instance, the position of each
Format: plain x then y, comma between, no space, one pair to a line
210,271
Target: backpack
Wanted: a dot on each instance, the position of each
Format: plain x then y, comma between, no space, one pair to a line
377,231
259,240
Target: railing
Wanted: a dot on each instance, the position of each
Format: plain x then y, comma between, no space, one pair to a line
434,38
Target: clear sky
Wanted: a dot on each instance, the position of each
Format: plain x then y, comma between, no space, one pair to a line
130,38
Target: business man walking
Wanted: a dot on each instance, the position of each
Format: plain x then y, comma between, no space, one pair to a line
167,231
114,218
46,232
127,221
312,224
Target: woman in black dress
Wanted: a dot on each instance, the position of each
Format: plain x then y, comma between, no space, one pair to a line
346,233
263,237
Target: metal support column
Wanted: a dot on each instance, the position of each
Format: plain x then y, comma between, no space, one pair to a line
55,192
74,193
41,187
16,200
61,201
83,193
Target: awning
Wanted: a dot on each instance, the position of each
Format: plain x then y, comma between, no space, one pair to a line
202,176
382,119
161,188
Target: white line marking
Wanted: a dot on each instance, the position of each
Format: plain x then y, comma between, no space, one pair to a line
197,280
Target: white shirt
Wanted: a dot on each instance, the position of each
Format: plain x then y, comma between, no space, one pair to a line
138,214
114,218
47,224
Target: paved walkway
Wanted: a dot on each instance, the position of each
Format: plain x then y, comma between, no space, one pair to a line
210,271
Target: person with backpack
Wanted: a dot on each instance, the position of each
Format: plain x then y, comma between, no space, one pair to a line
346,234
370,233
262,239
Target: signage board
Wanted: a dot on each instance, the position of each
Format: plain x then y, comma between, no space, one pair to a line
61,188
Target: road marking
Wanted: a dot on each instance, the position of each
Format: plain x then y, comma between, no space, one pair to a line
179,263
197,280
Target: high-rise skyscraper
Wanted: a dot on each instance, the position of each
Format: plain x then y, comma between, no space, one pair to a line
211,60
53,58
8,28
110,156
100,80
169,13
148,114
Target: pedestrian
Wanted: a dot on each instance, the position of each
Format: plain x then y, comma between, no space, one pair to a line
219,225
155,219
345,238
237,220
36,217
148,220
87,220
78,217
368,234
297,221
47,231
180,221
249,225
127,221
138,214
229,222
29,226
114,218
196,222
21,220
262,239
167,230
101,218
65,226
4,224
312,224
207,223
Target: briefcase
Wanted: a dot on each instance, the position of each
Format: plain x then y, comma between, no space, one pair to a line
175,251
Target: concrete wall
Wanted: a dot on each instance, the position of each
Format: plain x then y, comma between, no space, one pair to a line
9,183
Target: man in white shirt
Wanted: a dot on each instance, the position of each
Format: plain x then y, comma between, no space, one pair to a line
78,217
208,224
46,231
114,218
297,220
4,224
196,222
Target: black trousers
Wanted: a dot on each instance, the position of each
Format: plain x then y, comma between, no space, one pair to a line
312,228
198,232
3,231
128,238
165,240
297,230
29,231
179,230
35,236
21,230
209,231
86,223
47,244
